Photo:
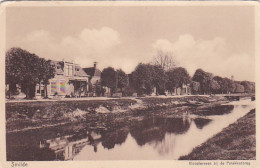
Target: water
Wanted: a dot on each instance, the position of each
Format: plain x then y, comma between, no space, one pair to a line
149,137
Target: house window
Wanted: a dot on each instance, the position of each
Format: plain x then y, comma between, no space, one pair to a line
69,70
58,67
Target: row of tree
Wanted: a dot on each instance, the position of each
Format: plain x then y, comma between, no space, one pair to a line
206,83
146,77
26,69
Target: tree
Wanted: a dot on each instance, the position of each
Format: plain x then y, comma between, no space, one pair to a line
122,79
171,83
158,78
228,85
195,87
22,68
46,72
238,87
248,86
165,60
181,76
222,83
108,78
146,77
177,77
214,86
204,79
142,79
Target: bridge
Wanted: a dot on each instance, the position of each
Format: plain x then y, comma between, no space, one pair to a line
237,96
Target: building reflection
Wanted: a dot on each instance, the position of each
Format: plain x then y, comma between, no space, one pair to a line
66,147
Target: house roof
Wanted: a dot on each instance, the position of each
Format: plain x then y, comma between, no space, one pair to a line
92,71
60,71
60,64
81,72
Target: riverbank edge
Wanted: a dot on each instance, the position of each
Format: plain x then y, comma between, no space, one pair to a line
88,108
235,142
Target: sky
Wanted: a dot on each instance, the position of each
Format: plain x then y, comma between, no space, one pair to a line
218,39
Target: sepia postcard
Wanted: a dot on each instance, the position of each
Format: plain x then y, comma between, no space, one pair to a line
129,84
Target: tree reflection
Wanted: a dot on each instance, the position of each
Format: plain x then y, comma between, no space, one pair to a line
201,122
155,128
111,138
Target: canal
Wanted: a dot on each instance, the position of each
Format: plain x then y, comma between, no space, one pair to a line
147,137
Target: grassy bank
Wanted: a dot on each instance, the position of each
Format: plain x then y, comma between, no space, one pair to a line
236,142
31,115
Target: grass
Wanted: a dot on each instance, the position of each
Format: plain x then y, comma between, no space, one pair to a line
236,142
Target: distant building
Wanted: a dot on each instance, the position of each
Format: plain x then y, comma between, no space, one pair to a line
185,89
94,77
70,80
94,74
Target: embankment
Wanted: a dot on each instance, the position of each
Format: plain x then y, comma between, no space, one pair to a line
236,142
32,115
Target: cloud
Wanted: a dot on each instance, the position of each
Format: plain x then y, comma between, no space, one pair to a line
210,55
38,35
105,46
93,40
87,46
163,45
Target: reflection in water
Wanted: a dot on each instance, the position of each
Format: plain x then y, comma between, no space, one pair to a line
153,137
201,122
113,138
65,147
155,128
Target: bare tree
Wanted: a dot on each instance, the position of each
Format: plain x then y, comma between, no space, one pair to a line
165,60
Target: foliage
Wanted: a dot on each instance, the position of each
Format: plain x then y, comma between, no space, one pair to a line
46,72
214,86
158,78
142,79
195,87
146,77
249,87
238,88
176,78
171,83
108,78
26,69
204,78
122,79
128,91
226,84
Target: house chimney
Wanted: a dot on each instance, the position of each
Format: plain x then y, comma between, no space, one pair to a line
95,64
